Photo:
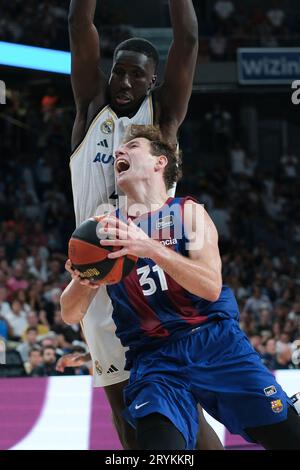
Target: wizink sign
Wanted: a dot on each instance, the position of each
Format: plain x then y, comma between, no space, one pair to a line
268,66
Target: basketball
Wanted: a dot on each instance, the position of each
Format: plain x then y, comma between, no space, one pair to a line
90,258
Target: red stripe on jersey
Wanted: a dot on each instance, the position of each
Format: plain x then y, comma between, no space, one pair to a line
181,304
149,321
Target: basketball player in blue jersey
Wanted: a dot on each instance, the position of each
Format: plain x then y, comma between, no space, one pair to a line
178,320
104,107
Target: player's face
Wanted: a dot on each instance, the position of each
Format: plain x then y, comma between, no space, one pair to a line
132,76
134,162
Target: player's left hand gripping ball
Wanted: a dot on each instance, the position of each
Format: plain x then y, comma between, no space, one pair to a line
130,239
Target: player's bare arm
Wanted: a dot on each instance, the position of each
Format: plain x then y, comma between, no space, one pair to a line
76,297
174,94
72,360
200,273
88,81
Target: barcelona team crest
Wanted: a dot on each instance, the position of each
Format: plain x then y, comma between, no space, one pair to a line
276,406
107,126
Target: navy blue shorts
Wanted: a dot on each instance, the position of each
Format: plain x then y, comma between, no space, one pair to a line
215,366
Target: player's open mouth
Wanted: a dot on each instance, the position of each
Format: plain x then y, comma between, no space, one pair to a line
122,166
122,99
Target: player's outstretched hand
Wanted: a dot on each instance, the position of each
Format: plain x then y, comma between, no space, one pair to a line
70,360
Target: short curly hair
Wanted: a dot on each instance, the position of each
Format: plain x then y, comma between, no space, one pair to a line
158,146
141,46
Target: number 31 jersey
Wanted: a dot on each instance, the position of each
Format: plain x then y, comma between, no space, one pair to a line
151,308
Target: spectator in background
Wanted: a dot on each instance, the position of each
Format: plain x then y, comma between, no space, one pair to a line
18,279
51,339
35,359
296,352
218,46
30,340
38,268
33,322
17,320
5,310
250,165
258,20
269,356
49,103
224,10
21,296
5,331
283,341
52,298
282,309
70,332
276,16
220,215
219,128
284,358
267,38
257,302
238,159
256,341
289,165
47,367
264,320
294,314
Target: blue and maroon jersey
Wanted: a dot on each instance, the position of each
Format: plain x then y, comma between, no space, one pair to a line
149,306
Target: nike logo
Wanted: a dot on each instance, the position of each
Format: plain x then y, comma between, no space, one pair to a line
140,406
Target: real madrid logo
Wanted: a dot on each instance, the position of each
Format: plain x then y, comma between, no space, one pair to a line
98,368
107,126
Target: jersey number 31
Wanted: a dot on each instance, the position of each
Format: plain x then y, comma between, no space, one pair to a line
148,283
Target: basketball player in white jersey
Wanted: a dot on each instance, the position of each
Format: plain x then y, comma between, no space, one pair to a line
104,108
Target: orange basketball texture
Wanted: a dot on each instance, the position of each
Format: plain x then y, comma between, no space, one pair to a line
90,258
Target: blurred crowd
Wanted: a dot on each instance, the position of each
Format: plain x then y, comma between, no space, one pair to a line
257,215
36,220
225,26
46,24
236,24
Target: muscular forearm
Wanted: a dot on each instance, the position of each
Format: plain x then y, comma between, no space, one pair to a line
196,279
75,301
184,21
82,12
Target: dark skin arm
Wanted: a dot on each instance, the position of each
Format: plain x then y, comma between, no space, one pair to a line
88,81
174,94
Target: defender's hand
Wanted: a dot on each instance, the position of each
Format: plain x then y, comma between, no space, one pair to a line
70,360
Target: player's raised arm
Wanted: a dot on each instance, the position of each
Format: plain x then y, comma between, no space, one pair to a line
175,92
87,79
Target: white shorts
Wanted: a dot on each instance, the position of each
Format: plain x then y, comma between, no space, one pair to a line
108,354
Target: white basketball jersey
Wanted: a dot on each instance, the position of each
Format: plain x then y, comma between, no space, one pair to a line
93,184
92,163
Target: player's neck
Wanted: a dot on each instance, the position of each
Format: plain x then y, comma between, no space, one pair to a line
147,197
